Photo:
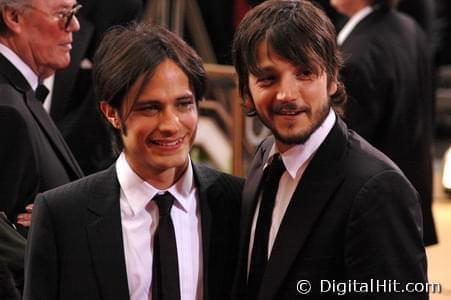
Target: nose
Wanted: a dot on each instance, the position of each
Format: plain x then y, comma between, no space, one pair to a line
169,122
74,24
288,88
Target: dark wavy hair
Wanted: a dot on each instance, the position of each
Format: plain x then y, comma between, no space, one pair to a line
296,30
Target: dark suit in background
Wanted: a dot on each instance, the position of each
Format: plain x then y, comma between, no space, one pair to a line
74,106
12,252
343,222
423,11
387,74
444,33
33,156
89,232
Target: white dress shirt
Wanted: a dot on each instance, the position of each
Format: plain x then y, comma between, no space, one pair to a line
352,23
139,218
20,65
296,160
49,82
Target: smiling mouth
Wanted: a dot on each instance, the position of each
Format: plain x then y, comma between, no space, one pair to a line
288,109
171,143
289,112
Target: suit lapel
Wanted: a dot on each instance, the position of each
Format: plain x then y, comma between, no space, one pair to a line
52,133
248,204
104,232
317,186
13,76
204,180
16,79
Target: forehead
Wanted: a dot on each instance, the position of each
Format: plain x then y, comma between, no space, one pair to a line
268,56
168,72
168,81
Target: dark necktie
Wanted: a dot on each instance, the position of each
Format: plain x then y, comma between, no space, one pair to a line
41,92
259,255
165,272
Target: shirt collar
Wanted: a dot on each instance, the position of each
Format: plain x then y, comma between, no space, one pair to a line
297,156
138,192
20,65
352,23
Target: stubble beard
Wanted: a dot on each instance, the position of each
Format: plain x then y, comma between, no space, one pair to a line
299,138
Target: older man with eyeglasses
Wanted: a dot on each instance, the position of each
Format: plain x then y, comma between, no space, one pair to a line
35,40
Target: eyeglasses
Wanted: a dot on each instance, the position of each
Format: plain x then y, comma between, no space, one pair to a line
64,18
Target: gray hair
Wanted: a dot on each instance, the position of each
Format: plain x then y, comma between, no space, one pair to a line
13,4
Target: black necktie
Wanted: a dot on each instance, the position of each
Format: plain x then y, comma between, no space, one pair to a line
165,272
259,255
41,92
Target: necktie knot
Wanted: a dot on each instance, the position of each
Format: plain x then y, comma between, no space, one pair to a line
164,203
275,169
41,92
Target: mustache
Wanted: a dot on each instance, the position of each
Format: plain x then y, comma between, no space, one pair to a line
288,106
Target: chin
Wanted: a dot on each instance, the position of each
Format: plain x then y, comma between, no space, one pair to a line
173,162
293,137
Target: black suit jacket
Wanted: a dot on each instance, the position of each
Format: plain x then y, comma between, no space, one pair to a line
388,75
12,252
33,155
353,216
424,13
75,248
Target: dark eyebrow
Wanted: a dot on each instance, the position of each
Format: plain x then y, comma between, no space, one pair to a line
143,103
186,96
259,71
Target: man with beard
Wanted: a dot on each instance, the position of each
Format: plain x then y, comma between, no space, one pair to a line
322,205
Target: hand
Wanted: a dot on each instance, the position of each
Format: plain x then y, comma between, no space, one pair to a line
25,218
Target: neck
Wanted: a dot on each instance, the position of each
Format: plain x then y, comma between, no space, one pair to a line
160,179
165,179
26,57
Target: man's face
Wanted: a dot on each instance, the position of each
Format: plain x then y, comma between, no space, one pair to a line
162,124
45,45
292,101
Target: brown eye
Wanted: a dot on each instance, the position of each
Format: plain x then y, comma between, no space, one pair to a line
266,80
305,74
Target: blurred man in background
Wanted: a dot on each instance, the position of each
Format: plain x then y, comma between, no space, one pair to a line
388,76
35,40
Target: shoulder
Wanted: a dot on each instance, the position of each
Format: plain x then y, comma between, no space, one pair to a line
372,172
11,114
211,177
79,192
363,157
9,95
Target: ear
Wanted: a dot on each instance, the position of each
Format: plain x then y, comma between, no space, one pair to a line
333,84
111,114
249,103
332,88
11,18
